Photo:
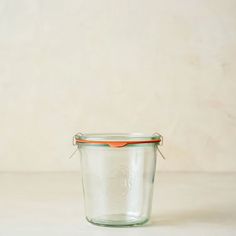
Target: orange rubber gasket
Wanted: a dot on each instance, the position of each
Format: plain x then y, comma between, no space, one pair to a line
116,143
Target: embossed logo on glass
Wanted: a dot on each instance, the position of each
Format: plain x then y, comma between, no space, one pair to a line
121,181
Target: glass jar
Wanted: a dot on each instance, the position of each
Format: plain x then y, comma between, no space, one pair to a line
118,173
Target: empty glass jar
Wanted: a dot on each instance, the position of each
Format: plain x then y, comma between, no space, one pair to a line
118,173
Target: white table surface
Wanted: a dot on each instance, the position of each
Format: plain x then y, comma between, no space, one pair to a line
52,204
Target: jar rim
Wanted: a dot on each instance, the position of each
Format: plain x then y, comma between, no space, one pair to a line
117,139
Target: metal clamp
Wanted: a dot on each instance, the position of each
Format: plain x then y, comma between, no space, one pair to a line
161,137
160,143
74,138
75,144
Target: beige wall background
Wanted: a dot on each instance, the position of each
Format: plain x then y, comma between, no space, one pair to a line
117,66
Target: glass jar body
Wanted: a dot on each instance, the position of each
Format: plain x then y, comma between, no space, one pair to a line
118,183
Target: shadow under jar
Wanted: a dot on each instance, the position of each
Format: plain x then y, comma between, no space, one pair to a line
118,173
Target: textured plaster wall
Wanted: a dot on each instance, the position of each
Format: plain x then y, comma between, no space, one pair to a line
127,65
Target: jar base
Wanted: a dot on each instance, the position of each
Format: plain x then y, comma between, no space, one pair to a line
118,220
